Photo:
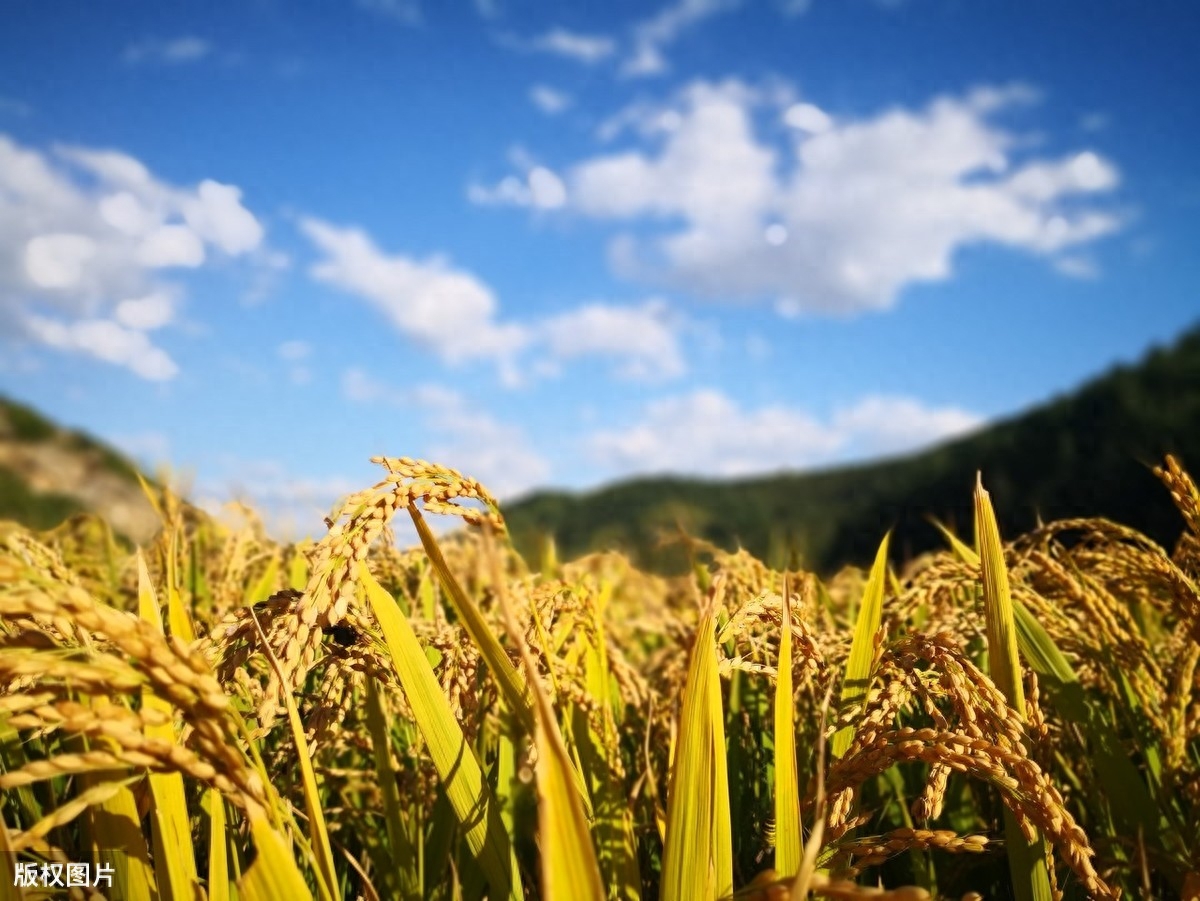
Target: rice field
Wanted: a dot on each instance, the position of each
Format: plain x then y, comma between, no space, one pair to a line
217,715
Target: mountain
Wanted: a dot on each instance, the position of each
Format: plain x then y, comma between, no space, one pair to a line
48,473
1088,453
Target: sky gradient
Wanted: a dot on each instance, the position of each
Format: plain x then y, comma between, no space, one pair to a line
560,244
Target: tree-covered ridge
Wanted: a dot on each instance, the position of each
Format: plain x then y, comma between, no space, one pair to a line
1086,453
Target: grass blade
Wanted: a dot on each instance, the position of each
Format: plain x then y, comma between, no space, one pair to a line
696,854
274,874
789,842
218,858
862,651
404,857
569,863
327,881
1027,860
8,864
472,799
512,685
170,826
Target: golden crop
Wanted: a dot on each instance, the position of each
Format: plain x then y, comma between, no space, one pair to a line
219,715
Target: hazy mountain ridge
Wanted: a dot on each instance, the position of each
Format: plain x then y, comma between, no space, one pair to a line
1086,453
48,473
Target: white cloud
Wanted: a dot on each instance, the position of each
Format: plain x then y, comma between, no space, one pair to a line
170,245
446,309
584,48
216,215
641,340
1080,267
146,313
454,314
548,100
268,268
498,454
794,8
90,234
546,189
854,210
711,170
540,189
642,117
883,424
188,49
652,35
406,12
806,117
58,260
294,351
108,341
462,437
290,505
707,433
361,388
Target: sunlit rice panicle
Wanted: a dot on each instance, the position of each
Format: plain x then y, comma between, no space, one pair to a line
438,698
1183,492
353,528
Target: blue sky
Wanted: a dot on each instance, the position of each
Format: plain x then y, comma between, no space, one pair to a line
560,244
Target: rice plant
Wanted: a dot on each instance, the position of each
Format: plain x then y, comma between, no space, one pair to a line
218,715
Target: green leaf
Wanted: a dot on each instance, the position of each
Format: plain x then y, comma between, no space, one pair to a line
862,651
462,778
789,841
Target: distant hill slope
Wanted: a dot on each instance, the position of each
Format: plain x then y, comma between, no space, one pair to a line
48,473
1085,454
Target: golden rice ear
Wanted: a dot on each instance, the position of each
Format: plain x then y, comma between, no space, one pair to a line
402,764
1183,490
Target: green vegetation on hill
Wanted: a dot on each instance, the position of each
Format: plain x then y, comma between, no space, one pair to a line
48,473
1088,453
37,511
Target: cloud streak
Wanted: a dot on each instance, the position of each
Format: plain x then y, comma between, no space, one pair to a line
87,238
843,214
706,432
170,52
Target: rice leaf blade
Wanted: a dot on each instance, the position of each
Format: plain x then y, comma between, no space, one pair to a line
1027,860
690,868
789,841
327,881
512,684
862,651
465,788
170,826
274,874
